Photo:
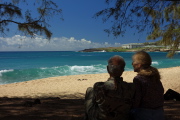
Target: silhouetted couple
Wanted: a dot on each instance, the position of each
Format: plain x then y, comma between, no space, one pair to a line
116,99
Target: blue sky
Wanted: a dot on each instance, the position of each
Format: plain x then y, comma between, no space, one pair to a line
78,31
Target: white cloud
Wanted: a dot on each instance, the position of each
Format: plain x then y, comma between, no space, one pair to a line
38,43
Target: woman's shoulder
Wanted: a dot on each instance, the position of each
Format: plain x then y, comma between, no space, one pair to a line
151,71
139,77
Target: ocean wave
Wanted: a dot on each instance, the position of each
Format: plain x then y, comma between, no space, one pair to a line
4,71
81,68
19,75
93,69
155,63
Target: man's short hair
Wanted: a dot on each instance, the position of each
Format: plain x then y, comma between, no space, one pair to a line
116,64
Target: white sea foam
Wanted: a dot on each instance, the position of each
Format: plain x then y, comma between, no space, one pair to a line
81,68
3,71
100,51
177,52
87,69
155,63
43,68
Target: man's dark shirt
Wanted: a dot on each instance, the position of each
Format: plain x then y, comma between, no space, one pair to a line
109,103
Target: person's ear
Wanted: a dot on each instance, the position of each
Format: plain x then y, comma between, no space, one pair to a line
139,65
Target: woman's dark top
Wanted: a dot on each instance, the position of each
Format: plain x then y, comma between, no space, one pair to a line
148,90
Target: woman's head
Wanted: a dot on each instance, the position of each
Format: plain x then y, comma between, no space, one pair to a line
141,59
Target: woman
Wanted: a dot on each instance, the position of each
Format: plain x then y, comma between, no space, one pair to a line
148,98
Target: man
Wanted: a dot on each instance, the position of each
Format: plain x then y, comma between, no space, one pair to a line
110,100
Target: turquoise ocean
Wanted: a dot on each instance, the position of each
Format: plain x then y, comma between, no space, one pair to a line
25,66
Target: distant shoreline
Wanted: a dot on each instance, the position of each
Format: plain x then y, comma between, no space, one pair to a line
118,49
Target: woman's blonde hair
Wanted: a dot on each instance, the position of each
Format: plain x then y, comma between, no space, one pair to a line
142,57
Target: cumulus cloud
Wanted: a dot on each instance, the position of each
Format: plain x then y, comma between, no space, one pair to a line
38,43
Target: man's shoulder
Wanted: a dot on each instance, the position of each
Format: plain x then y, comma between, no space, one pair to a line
98,86
107,85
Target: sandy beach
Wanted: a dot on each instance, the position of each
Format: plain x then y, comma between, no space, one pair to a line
74,86
65,94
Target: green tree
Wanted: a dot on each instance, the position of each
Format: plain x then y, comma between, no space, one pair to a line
159,18
166,26
30,22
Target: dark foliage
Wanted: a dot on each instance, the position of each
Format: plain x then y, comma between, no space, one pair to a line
28,23
159,18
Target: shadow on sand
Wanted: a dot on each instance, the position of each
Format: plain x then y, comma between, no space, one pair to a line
59,109
49,109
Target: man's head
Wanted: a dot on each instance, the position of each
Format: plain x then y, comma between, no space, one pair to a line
116,66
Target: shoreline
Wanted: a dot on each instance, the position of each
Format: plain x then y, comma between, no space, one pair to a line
74,86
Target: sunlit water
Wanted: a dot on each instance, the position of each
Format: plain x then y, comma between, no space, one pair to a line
24,66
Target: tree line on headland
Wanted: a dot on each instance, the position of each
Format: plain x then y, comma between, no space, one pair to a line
120,49
147,46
